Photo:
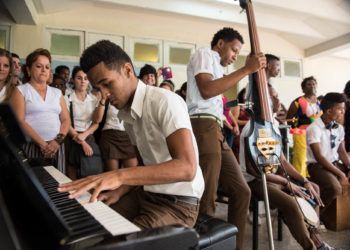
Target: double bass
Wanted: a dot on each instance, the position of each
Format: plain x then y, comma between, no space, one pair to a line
262,143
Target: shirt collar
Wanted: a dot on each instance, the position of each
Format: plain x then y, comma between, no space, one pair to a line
130,114
75,98
321,123
216,54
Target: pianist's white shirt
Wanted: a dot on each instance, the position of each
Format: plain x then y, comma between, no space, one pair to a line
155,114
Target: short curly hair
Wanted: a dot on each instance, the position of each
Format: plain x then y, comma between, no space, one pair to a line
104,51
331,99
305,80
227,34
32,57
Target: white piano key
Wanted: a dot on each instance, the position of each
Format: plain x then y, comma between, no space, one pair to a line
107,217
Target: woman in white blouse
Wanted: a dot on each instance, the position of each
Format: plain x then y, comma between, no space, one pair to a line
81,106
42,113
6,88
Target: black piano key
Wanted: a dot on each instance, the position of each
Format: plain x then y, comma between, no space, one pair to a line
79,217
80,223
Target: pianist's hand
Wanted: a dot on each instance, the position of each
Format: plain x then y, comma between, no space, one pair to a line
110,197
96,183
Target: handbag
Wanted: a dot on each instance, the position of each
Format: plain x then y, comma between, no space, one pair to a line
89,165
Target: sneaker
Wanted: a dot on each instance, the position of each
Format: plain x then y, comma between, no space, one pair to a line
321,228
250,218
325,246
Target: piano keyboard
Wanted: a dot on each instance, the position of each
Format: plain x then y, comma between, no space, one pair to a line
84,219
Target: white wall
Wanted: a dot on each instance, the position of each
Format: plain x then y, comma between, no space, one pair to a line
332,73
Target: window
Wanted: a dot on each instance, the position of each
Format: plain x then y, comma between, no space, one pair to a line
240,62
146,51
292,68
5,37
95,37
179,55
66,44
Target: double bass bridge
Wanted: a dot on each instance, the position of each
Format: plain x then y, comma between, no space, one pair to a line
266,145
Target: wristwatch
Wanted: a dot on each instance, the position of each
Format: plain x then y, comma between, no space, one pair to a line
59,138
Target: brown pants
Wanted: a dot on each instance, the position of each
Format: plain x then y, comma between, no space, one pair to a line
150,210
328,182
220,167
292,215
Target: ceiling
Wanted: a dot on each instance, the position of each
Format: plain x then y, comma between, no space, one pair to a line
319,27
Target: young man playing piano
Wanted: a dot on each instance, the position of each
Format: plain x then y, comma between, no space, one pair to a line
158,124
205,84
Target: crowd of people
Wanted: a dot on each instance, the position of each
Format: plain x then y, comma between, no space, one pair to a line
158,156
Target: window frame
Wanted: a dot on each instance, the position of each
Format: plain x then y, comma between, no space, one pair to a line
179,45
106,36
82,34
294,60
140,64
7,29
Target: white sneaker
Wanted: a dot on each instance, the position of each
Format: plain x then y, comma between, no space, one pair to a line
322,228
325,246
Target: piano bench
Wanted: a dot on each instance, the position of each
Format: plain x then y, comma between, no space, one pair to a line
215,234
162,238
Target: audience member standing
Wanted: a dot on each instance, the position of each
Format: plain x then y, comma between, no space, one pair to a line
347,117
6,67
148,74
17,69
64,72
242,117
42,112
81,107
302,112
231,128
182,91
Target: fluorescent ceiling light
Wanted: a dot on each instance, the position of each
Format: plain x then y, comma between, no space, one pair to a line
229,1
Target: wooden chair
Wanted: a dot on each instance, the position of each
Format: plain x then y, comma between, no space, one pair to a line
336,217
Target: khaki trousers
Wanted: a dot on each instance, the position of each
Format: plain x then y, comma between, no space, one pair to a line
220,167
292,215
150,210
329,184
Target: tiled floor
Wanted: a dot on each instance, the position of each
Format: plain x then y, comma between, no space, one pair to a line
339,239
